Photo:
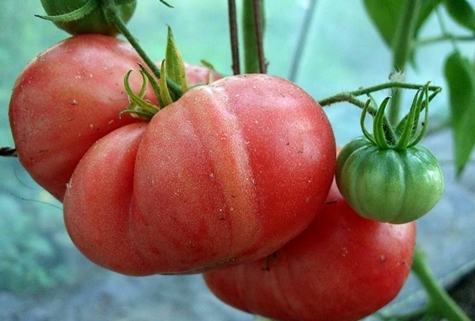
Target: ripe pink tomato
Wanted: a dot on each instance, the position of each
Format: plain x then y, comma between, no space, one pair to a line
341,268
70,96
228,173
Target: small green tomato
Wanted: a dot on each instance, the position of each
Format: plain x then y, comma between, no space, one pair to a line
391,180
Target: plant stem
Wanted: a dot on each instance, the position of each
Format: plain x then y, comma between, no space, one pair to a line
8,152
444,37
440,303
302,40
402,49
253,30
110,12
350,96
234,37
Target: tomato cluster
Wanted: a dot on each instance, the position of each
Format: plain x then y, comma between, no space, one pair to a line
233,179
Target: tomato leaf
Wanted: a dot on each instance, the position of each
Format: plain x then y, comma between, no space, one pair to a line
174,63
462,12
460,76
386,14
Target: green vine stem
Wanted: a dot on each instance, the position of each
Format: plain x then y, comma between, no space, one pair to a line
110,12
402,47
302,40
350,96
234,37
444,37
8,152
253,24
440,304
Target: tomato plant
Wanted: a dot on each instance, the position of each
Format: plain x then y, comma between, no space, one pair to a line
86,16
343,267
67,98
389,181
236,171
202,184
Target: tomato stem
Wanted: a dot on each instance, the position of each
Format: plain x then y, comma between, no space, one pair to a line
440,303
349,96
234,37
8,152
302,40
253,34
110,12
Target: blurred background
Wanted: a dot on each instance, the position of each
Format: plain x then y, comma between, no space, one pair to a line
43,276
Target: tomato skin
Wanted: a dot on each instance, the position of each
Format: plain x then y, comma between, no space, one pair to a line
69,97
405,183
228,173
94,22
66,99
343,267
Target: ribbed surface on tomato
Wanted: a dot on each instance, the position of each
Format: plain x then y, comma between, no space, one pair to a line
226,174
343,267
389,185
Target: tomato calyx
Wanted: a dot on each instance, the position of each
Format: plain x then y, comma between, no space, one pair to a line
406,134
168,88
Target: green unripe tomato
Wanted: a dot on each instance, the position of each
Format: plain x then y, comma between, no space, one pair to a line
387,184
85,16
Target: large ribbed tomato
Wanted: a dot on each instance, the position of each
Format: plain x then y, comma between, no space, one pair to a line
228,173
343,267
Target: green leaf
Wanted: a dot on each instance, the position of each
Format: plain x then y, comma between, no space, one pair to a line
462,12
427,7
460,77
386,14
174,63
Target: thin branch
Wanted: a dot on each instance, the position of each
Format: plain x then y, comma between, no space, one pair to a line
8,152
234,37
350,96
444,37
258,17
302,41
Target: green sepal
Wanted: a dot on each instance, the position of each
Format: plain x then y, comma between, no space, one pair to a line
362,122
210,66
175,66
408,131
74,15
138,107
165,95
420,102
153,82
378,130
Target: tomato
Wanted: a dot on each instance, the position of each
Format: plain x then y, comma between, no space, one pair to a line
66,99
405,183
91,20
343,267
228,173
